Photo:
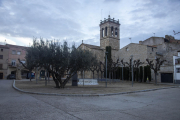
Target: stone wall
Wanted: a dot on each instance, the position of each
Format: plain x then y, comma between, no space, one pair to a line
138,51
153,41
151,52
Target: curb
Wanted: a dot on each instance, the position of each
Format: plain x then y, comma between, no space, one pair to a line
89,95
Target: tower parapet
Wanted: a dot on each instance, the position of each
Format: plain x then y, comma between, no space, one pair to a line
109,33
109,20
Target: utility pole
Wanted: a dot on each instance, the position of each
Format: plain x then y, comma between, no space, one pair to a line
106,67
132,69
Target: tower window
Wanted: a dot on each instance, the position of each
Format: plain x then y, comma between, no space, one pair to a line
102,32
116,33
112,31
105,31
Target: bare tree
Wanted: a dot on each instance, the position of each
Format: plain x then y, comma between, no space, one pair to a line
175,32
129,64
136,65
157,66
94,65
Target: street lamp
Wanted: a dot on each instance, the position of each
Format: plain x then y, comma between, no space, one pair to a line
122,70
132,69
106,53
156,71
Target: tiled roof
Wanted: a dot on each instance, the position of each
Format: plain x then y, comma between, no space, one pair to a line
172,40
3,46
175,41
92,46
9,45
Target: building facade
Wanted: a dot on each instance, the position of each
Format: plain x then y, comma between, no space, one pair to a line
9,63
151,48
4,55
176,63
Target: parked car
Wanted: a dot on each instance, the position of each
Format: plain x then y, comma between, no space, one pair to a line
11,76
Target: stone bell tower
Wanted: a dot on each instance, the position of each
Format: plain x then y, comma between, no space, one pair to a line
109,33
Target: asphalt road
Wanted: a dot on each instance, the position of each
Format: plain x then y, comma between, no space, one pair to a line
154,105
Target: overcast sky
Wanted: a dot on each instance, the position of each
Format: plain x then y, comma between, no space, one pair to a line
77,20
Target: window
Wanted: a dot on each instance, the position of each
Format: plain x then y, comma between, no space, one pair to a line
106,31
1,50
152,49
102,32
1,66
177,70
13,52
177,61
13,63
112,31
19,52
116,32
1,56
23,61
127,49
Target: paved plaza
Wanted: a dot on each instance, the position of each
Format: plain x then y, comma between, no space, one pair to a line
160,105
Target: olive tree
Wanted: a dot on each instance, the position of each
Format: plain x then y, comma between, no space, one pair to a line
58,59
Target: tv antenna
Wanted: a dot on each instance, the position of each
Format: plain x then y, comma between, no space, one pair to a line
130,40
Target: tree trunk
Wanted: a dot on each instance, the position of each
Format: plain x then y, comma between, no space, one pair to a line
30,75
55,80
98,75
66,80
155,78
101,75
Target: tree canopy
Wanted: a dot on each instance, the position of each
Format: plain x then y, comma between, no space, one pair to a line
58,59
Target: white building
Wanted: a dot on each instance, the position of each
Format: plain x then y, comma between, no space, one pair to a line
176,62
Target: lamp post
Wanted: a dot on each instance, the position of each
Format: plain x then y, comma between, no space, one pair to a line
106,67
132,69
83,77
122,70
156,71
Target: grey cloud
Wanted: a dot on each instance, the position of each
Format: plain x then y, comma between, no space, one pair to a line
27,20
61,19
160,15
94,28
112,0
137,10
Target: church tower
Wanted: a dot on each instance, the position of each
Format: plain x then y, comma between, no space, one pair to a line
109,33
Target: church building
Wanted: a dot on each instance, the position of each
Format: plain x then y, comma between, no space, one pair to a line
151,48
